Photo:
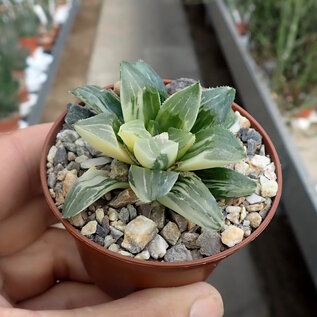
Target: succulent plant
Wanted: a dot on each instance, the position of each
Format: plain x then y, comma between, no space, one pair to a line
177,146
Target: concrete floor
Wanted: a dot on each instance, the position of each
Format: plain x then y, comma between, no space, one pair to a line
129,30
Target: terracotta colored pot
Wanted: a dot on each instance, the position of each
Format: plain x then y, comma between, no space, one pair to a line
119,275
10,124
30,43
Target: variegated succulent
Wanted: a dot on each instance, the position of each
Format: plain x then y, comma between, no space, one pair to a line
177,146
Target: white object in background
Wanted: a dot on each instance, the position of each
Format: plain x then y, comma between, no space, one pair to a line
23,124
25,107
62,13
301,123
39,60
34,79
38,10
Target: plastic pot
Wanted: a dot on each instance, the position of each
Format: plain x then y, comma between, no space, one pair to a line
119,275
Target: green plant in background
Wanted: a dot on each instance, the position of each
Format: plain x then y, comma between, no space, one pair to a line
8,90
284,33
177,146
26,22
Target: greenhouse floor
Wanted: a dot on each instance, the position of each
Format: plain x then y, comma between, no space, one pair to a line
267,278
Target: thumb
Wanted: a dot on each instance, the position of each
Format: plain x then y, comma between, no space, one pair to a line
195,300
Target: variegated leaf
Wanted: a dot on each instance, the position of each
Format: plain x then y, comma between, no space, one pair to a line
151,75
153,127
215,105
224,182
155,153
150,185
87,189
100,132
132,131
184,139
230,119
214,147
191,198
98,99
139,97
180,110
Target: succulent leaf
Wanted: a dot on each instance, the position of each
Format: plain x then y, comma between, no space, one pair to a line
152,76
139,97
153,127
191,198
230,119
215,105
132,131
224,182
98,99
100,132
155,153
184,139
87,189
149,185
214,147
180,109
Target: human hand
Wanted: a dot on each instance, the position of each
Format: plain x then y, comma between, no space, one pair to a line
41,273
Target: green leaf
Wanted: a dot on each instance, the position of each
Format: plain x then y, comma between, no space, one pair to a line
132,131
224,182
153,127
230,119
191,198
180,110
184,139
150,185
151,75
156,152
139,97
88,188
214,147
215,105
98,99
100,132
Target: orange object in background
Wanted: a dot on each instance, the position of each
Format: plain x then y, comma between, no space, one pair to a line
10,124
30,43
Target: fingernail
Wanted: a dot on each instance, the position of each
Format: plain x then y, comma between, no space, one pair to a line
207,307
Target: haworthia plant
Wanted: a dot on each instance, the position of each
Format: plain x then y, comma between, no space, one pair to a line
178,146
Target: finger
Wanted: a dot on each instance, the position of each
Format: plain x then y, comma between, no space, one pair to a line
25,226
66,295
195,300
35,269
20,177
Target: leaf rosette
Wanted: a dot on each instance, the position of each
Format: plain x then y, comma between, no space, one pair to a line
178,147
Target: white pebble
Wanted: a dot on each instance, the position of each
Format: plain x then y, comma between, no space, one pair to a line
51,153
254,218
232,235
254,199
144,255
99,215
269,189
260,161
243,168
113,214
89,228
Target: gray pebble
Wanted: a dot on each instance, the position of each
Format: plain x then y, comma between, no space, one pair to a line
179,220
132,212
171,233
158,214
124,215
60,156
99,240
82,151
119,170
81,159
75,113
179,84
67,135
73,166
108,241
105,224
101,231
71,156
145,210
114,247
51,180
71,147
196,255
209,242
251,147
254,135
178,253
189,239
116,233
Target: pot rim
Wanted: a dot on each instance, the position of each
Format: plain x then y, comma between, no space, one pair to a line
165,265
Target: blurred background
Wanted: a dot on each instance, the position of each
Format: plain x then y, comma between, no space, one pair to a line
267,50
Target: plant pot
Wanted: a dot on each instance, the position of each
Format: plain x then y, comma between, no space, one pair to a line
30,43
10,124
118,275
